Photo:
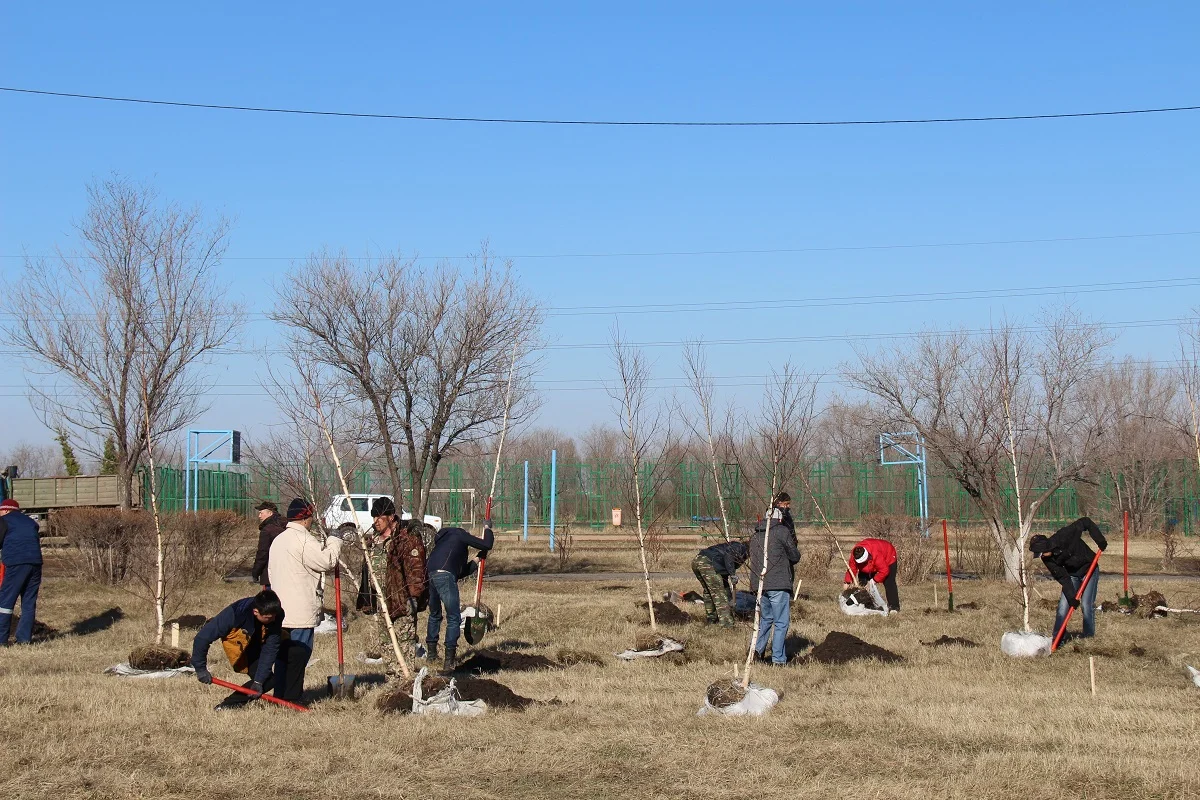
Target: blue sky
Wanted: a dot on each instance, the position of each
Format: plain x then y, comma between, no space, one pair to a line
295,184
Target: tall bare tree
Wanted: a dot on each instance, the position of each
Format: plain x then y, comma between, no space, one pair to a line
1003,412
703,389
425,352
1189,373
140,297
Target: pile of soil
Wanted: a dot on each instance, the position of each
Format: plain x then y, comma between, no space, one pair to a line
514,644
41,631
573,658
972,606
1114,607
486,662
158,656
668,614
842,648
189,621
693,597
947,641
395,701
1146,605
495,694
723,694
647,641
861,596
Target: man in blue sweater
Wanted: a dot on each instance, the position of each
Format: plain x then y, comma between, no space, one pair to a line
21,555
249,631
446,566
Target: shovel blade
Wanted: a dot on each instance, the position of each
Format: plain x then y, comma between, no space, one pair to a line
341,686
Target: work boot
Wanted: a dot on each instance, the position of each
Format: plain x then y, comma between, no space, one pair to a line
448,664
431,651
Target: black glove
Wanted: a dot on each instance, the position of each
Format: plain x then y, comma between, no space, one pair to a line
255,688
1074,602
412,606
204,676
336,533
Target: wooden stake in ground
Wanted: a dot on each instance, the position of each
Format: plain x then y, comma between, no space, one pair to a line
174,634
362,539
1092,670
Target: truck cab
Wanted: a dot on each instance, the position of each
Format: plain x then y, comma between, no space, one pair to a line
354,511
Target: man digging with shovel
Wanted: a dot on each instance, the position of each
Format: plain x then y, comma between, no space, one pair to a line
249,631
1069,559
447,565
398,558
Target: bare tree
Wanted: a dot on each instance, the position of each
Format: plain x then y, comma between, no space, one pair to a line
425,353
1003,412
35,461
703,387
1189,369
646,429
140,298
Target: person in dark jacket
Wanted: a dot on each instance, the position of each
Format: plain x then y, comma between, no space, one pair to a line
447,565
875,560
716,569
270,525
397,556
249,631
782,556
1068,558
21,555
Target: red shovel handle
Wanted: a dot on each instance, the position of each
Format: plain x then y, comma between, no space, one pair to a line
267,697
487,514
1078,597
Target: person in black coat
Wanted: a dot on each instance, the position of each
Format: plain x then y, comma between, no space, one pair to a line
1068,558
446,566
783,553
270,525
250,631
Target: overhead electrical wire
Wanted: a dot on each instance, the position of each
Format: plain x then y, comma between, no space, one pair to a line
596,122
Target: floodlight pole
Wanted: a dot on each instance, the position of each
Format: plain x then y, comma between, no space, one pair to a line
525,524
911,447
553,493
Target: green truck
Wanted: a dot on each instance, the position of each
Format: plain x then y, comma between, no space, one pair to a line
40,497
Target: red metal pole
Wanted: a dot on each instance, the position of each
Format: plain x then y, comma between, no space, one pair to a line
267,697
1078,597
949,578
337,614
1125,556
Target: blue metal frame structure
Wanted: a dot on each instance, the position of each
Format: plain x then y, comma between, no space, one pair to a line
910,446
201,447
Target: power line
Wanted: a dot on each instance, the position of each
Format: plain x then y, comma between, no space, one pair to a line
598,122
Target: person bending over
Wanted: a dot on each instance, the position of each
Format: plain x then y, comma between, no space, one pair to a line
716,569
447,565
249,631
875,560
1068,557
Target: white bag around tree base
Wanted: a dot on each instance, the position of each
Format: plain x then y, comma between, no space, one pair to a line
854,609
444,702
664,646
758,701
328,624
1025,645
123,670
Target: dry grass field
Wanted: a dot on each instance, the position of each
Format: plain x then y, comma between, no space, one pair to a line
948,722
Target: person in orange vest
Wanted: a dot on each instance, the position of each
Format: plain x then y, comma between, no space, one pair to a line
875,560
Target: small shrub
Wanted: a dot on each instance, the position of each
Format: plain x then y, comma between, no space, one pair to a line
105,543
209,543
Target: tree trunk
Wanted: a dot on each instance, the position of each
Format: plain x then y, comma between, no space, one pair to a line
125,477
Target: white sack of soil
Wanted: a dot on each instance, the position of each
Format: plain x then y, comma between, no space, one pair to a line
328,624
123,670
1025,645
664,646
1194,673
758,701
366,659
444,702
852,604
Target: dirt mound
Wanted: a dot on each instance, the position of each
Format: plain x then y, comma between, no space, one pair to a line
668,614
693,597
486,662
157,656
842,648
573,658
723,694
1137,652
647,641
972,606
41,631
395,701
494,693
948,641
190,621
509,645
1146,605
1113,607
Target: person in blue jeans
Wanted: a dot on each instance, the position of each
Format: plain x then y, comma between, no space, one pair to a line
21,555
1068,558
779,542
447,565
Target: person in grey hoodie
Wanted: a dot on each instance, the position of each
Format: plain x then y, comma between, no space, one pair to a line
783,554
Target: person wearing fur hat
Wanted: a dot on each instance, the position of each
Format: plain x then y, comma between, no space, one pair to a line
875,560
397,557
21,555
298,561
270,525
1068,558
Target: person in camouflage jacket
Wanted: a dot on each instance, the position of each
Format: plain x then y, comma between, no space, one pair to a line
397,557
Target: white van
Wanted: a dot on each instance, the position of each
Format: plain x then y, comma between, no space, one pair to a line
354,510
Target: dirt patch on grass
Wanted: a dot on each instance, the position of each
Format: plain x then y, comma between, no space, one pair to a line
614,588
494,693
667,614
395,700
509,645
842,648
158,657
693,597
486,662
573,658
41,631
950,641
723,694
1137,652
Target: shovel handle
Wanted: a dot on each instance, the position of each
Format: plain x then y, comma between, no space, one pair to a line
267,697
1078,597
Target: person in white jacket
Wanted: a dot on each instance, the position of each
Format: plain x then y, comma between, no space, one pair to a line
297,561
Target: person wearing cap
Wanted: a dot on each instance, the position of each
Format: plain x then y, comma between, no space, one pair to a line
1068,558
298,560
21,555
782,554
397,557
716,569
270,525
783,502
875,560
446,566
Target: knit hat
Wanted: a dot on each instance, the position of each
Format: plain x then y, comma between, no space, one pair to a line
860,554
1039,544
299,509
383,507
10,505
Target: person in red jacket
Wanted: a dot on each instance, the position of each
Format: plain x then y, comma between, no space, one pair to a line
875,560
